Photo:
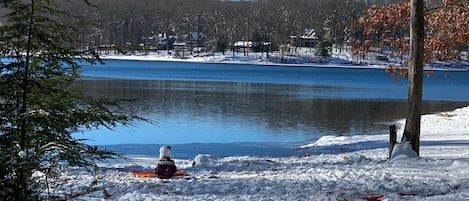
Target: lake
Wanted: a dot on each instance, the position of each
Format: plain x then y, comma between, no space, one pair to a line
200,105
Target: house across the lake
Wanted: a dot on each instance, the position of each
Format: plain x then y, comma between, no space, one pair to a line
308,39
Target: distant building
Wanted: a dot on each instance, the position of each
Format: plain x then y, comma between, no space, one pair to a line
242,45
308,39
191,40
251,46
195,39
164,41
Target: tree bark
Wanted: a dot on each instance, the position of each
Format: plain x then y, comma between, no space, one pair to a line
415,79
22,173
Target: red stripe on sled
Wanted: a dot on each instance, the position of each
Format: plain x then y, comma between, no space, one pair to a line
178,173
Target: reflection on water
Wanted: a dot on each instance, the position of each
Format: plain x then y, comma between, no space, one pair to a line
222,112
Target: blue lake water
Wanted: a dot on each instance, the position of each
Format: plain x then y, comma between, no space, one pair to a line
258,109
347,82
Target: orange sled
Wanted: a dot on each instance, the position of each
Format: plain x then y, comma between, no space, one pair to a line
178,173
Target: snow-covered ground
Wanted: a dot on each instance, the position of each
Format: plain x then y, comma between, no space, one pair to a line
301,58
332,168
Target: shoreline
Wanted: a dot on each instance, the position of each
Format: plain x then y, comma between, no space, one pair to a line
155,58
439,174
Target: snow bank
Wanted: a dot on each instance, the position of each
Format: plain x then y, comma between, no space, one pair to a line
356,167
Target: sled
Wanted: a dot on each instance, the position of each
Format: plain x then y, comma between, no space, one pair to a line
373,197
178,173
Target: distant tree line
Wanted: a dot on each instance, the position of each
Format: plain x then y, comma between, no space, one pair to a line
135,24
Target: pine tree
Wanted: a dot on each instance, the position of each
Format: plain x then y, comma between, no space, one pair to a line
40,110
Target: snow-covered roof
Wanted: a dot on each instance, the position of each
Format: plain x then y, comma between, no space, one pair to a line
196,35
243,44
310,34
179,44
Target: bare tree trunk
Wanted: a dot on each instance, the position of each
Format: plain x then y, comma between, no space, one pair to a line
22,173
416,60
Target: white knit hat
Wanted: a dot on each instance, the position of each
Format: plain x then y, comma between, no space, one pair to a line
165,151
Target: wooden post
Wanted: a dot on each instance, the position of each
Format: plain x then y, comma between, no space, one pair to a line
392,139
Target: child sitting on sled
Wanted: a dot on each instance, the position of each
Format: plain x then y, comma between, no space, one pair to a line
165,167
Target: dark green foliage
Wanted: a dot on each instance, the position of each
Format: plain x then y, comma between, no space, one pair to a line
259,42
221,44
40,110
323,49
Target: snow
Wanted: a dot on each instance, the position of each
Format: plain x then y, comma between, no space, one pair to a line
331,168
303,57
299,60
402,151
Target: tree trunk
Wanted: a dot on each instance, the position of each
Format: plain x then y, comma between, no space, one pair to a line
392,139
416,60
